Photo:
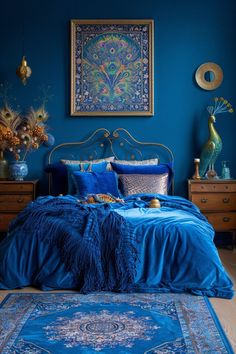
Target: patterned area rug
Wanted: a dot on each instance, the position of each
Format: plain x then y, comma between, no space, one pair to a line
109,323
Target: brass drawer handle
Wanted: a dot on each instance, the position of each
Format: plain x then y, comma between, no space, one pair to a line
20,200
226,219
226,200
204,200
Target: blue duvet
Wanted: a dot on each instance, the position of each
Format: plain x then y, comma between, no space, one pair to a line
174,244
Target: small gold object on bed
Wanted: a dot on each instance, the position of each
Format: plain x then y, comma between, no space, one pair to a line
154,203
103,198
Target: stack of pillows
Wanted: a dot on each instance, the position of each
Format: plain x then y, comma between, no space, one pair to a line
119,178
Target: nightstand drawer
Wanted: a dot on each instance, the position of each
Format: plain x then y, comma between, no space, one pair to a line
222,221
213,187
16,188
14,197
5,220
215,201
13,202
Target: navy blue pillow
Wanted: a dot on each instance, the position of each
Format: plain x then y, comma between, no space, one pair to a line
96,183
145,169
59,180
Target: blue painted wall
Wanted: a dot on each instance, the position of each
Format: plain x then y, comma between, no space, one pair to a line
187,34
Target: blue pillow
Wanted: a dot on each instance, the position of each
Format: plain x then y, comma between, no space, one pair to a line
71,168
96,183
59,181
145,169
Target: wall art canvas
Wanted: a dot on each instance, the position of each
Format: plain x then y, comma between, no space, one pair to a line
112,67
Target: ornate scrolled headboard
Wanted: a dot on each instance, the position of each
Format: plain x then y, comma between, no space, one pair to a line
119,143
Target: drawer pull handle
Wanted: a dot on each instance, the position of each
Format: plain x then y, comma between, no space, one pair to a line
20,200
204,200
226,219
226,200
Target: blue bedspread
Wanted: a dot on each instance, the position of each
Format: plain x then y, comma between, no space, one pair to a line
174,245
82,235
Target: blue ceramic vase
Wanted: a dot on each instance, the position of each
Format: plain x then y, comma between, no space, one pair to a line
18,170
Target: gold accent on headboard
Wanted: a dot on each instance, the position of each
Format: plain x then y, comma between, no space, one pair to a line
116,135
120,140
106,135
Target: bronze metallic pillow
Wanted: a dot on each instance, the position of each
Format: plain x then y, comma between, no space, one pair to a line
140,183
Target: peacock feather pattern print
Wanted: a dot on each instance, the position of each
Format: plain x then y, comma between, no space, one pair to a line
212,148
112,69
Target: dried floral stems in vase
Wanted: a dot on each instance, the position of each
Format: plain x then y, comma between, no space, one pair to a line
19,134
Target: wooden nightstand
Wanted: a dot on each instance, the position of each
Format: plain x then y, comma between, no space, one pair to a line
14,196
217,201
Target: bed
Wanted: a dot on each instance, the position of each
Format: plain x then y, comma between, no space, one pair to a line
111,222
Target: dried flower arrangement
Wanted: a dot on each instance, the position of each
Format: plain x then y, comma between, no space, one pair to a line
22,133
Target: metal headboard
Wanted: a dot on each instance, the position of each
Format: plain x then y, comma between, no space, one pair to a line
103,143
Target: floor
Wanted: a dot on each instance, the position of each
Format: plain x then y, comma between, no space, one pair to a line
225,309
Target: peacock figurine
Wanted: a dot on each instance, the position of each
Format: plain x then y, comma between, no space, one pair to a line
212,148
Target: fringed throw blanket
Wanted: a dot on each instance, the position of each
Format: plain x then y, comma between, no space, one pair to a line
96,244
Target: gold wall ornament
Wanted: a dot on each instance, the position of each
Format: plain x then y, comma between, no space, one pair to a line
209,76
24,71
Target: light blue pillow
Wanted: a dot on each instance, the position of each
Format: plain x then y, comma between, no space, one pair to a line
96,183
85,167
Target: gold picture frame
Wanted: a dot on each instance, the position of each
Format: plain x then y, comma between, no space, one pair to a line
112,68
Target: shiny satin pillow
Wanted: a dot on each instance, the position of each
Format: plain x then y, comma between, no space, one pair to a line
143,183
145,169
153,161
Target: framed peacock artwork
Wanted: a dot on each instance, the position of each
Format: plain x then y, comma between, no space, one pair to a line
112,68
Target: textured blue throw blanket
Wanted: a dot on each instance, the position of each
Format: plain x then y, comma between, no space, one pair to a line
96,244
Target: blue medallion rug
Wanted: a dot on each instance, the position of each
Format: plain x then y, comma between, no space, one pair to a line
109,323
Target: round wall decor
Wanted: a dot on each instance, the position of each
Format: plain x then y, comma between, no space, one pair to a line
209,76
